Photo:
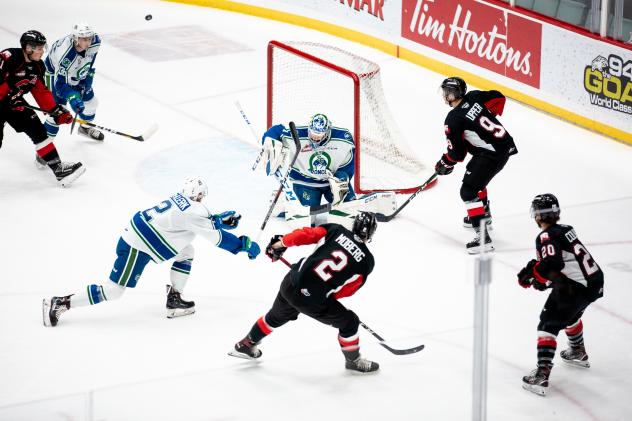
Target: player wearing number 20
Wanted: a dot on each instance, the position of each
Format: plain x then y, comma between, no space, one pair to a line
158,234
564,265
472,127
337,268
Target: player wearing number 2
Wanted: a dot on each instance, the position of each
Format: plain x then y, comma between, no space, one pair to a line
472,127
337,268
161,233
564,265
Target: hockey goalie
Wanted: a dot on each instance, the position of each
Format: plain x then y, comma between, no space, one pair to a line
324,167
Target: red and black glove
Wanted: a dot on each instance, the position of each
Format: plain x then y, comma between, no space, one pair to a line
61,115
275,253
444,166
525,276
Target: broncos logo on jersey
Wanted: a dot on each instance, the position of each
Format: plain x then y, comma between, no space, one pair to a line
319,163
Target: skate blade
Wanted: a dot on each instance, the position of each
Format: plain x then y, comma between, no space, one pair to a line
179,312
45,313
69,179
575,363
234,353
477,250
538,390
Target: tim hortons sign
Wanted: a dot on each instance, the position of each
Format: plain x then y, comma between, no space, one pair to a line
486,36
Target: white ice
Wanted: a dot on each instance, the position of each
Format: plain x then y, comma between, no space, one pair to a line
125,361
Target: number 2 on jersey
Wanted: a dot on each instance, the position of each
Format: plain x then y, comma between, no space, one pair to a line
336,264
163,206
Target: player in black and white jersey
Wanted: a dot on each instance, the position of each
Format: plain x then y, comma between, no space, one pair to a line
472,127
564,265
337,268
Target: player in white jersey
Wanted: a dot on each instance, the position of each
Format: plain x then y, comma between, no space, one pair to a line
69,75
160,233
325,163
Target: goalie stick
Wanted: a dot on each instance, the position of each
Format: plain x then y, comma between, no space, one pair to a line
297,145
141,138
381,340
385,218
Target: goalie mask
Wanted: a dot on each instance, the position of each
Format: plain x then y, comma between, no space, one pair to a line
194,187
546,208
319,129
364,226
452,88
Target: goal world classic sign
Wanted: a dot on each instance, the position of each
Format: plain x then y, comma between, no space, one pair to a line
486,36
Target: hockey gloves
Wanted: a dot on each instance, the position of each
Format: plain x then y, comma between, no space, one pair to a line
61,115
444,166
226,220
76,103
339,188
273,155
275,253
249,247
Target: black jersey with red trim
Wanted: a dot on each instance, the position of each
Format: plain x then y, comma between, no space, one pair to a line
472,127
337,268
19,77
561,256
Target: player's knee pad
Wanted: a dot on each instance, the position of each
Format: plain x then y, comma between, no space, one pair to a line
547,326
468,193
350,325
90,109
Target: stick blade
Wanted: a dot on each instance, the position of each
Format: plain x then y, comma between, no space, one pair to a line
149,132
406,351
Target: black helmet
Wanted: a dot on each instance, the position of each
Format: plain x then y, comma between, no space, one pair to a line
364,225
546,207
453,86
32,37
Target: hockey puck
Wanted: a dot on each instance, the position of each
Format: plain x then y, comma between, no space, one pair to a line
148,17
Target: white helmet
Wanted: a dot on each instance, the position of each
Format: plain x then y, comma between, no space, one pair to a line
82,30
193,186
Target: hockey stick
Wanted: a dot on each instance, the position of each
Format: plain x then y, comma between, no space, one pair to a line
381,340
297,145
254,135
385,218
141,138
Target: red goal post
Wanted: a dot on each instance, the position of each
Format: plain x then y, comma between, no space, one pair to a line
305,78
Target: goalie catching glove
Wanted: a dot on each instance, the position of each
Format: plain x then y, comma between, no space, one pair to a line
339,188
226,220
275,253
273,155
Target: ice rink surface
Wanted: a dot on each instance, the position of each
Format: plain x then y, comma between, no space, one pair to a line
125,361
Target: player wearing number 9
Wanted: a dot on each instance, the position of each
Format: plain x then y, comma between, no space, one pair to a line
566,267
472,127
314,285
161,233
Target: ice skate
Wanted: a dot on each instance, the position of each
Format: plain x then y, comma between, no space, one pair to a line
68,172
40,164
575,356
176,306
537,381
52,308
91,132
362,365
474,246
246,349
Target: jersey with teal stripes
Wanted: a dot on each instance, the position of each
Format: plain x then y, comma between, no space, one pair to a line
165,229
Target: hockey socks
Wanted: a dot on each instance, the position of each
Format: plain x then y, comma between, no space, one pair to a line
95,294
546,349
575,334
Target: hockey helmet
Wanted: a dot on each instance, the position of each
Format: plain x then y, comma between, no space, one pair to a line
364,226
82,30
193,187
545,207
453,88
33,38
319,128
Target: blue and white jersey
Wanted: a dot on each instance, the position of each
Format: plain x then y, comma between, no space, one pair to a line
167,228
335,155
67,69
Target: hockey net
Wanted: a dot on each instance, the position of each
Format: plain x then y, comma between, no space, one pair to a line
306,78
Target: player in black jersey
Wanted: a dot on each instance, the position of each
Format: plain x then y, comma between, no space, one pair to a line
564,265
313,286
21,72
472,127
